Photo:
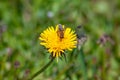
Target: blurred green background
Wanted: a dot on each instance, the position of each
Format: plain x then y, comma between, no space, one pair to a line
21,55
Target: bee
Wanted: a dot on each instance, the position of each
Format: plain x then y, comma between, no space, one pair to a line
60,31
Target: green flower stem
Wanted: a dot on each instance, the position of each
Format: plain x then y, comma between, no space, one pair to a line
83,66
42,69
103,71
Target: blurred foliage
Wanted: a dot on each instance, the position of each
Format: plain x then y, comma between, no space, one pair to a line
21,22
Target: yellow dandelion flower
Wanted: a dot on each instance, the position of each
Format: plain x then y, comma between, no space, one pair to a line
58,39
